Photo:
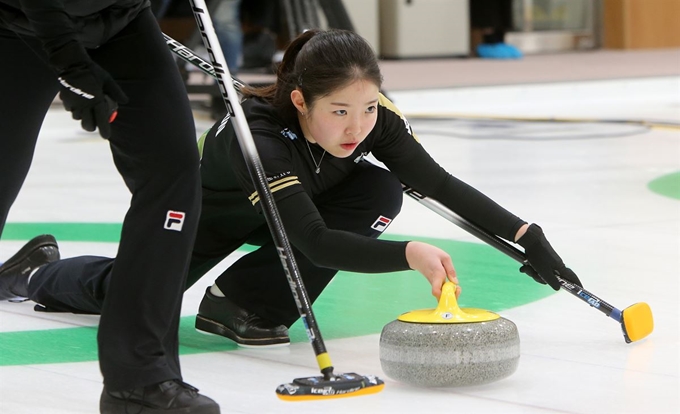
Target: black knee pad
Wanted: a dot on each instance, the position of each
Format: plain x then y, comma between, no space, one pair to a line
384,190
365,203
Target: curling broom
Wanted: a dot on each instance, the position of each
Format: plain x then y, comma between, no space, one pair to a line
328,385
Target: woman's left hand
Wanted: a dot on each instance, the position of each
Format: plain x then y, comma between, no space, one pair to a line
544,261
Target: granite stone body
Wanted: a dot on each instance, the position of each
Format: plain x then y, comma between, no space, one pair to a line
449,355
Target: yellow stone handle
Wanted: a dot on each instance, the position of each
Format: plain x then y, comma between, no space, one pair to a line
448,311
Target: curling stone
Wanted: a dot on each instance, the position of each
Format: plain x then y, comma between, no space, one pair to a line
449,346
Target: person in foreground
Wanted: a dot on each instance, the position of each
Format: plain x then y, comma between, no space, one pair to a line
110,65
313,130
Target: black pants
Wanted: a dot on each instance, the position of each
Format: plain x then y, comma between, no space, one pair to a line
492,14
256,281
154,149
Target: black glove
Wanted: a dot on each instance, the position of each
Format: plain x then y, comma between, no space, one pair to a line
87,90
544,262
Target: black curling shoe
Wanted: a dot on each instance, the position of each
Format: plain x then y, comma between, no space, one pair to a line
167,397
220,316
15,271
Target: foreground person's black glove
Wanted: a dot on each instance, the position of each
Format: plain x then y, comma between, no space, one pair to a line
87,90
544,261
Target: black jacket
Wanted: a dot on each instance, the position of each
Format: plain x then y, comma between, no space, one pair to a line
55,22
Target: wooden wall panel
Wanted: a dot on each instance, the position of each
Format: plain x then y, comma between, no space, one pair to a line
641,24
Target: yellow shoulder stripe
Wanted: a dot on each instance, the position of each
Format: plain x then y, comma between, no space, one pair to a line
382,100
275,186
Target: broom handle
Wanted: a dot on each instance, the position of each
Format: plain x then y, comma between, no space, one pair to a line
257,174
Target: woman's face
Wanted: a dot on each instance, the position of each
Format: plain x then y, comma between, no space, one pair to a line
339,122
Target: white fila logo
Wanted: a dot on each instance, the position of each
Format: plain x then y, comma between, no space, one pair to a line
174,220
381,223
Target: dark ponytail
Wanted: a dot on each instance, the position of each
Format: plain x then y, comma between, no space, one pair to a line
319,62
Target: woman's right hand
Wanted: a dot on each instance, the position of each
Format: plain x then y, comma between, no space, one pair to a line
434,263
